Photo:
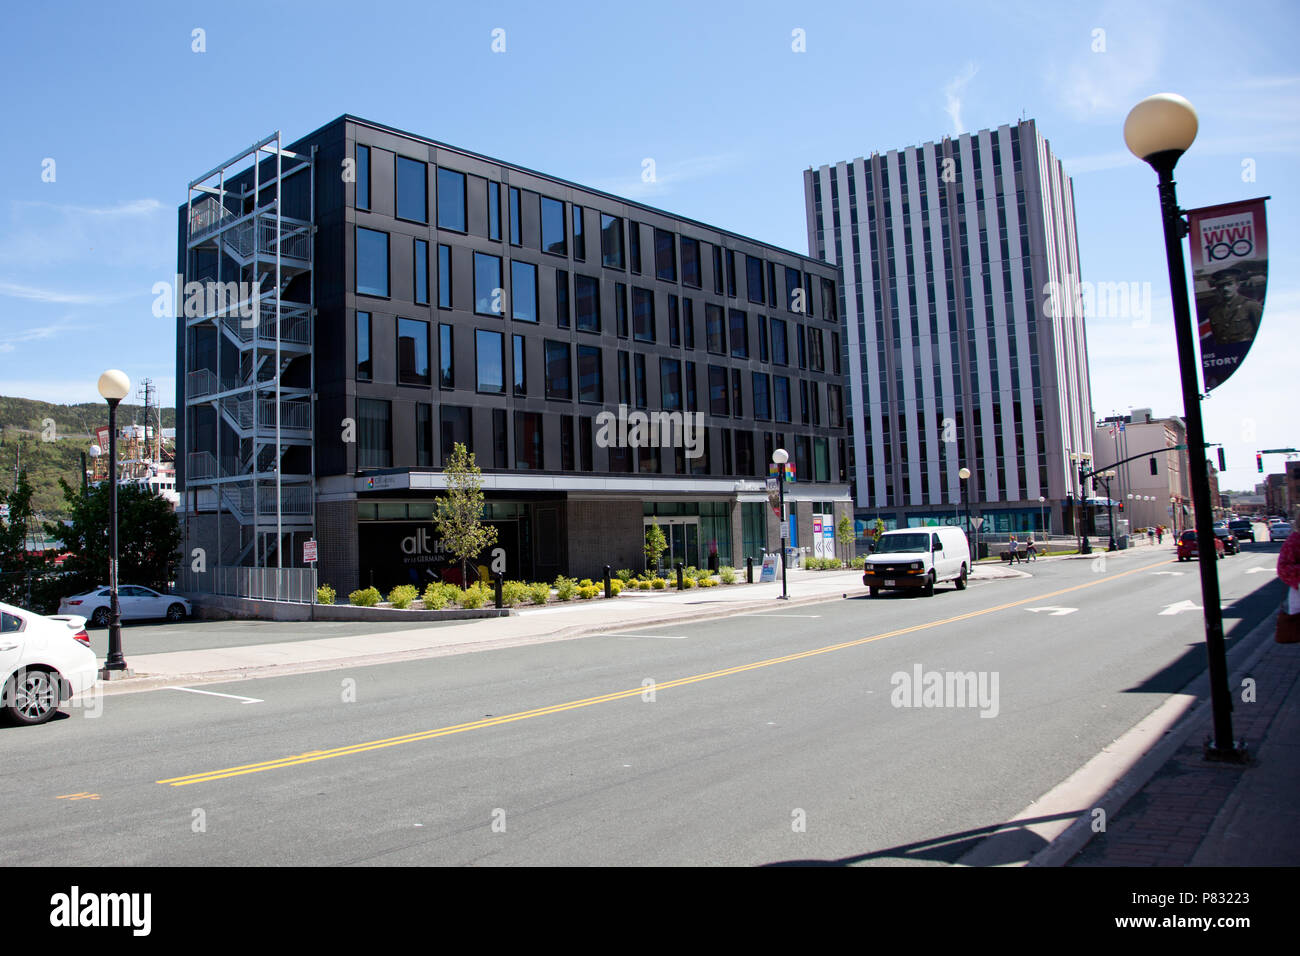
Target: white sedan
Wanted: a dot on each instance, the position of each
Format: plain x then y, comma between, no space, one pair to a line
43,661
135,602
1279,531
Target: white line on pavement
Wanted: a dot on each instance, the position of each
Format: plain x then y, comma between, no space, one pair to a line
778,615
666,637
213,693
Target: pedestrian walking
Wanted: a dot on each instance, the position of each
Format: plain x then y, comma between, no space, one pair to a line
1031,548
1160,534
1013,546
1288,569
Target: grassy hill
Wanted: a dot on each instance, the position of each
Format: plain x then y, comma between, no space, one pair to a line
23,433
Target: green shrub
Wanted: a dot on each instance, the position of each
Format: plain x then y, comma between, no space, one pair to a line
624,575
474,596
325,594
690,582
708,583
437,596
401,596
512,593
565,588
615,587
588,591
659,584
539,593
728,575
367,597
586,583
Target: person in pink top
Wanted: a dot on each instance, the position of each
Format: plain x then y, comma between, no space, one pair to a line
1288,565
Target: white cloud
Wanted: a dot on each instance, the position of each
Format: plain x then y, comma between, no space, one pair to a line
35,294
1096,84
666,176
952,93
137,232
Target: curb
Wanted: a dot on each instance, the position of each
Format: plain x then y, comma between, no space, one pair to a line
1176,719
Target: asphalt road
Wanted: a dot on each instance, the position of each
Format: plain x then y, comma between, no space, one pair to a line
769,738
150,637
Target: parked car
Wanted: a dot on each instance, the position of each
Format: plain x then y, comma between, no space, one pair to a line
918,558
1188,548
1230,543
1278,531
43,661
1243,529
136,603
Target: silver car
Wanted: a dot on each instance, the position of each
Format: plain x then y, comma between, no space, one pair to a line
135,603
1278,531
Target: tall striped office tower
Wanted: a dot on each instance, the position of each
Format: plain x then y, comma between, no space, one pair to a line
965,344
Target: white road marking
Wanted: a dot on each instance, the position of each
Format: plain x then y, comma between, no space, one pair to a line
779,615
666,637
1054,611
1176,574
1259,570
213,693
1188,606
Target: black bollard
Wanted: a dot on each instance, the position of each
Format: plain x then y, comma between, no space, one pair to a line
609,589
749,570
681,585
500,600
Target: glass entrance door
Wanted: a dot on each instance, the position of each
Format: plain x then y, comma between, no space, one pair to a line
683,538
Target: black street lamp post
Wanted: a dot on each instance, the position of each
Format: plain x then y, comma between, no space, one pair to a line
964,475
1158,131
113,386
779,458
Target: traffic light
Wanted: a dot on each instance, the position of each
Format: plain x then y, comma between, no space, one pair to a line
1121,507
1259,462
1155,470
1222,464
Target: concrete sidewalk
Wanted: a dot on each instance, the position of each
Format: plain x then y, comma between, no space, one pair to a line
530,625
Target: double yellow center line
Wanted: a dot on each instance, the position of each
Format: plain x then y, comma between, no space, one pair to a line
312,756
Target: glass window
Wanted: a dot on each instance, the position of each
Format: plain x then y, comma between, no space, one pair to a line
451,200
762,339
516,218
424,435
523,291
739,334
835,406
634,245
829,303
587,303
372,262
579,237
561,298
374,434
688,322
363,177
835,352
643,315
782,395
731,273
412,190
620,309
412,352
446,358
566,443
737,394
642,388
456,428
762,397
624,379
585,444
670,384
553,238
665,255
692,399
821,459
611,241
744,452
559,385
364,364
444,277
715,333
690,262
803,401
717,269
718,391
754,278
421,272
794,291
780,351
499,439
803,349
494,211
771,284
590,384
520,367
674,322
489,348
487,284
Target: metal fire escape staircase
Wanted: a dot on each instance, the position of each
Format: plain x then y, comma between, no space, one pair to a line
247,253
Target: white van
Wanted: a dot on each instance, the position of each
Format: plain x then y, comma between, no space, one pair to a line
918,558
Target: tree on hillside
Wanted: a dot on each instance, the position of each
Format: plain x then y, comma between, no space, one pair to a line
17,563
148,538
459,517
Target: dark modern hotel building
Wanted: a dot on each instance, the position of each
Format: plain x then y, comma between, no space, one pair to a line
966,346
409,296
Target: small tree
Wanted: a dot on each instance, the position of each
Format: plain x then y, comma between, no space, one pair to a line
459,518
844,532
16,561
655,545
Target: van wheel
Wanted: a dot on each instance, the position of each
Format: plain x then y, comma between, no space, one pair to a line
961,581
928,590
875,591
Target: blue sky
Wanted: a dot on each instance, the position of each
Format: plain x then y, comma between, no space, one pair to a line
713,93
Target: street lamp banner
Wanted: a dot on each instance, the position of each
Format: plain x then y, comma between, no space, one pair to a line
1229,274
